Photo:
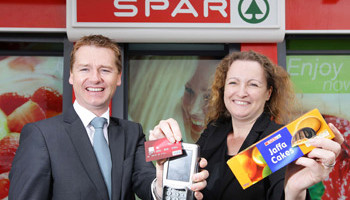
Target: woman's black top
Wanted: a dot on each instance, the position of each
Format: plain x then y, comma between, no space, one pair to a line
221,183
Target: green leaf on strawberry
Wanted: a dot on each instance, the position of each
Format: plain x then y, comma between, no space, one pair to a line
4,130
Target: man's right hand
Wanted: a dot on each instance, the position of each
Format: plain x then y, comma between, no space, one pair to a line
171,130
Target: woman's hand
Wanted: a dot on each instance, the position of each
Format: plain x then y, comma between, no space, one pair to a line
314,167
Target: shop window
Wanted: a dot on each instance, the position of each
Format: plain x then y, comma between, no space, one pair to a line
320,70
31,82
171,80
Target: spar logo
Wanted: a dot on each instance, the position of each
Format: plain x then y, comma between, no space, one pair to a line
219,12
253,11
172,11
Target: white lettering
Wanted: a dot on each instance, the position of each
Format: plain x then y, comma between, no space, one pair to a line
281,155
335,70
346,86
329,83
291,66
337,86
322,66
277,148
155,7
273,160
179,9
125,7
304,65
221,8
313,69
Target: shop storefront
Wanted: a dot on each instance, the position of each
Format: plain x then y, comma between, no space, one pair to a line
170,49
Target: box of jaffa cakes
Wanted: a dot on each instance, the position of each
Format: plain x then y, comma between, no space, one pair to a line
278,149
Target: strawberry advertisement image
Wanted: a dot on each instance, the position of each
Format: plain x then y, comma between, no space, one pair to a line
337,184
30,90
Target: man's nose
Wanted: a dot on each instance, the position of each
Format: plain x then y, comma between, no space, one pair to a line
95,76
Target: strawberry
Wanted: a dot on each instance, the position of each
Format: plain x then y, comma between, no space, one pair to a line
8,147
4,187
24,63
49,99
339,178
3,57
26,113
10,101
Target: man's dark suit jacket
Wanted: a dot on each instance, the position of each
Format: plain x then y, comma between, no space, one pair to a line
55,160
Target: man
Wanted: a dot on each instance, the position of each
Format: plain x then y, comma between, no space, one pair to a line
60,157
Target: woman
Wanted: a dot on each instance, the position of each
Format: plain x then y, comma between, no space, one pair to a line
250,99
182,98
194,99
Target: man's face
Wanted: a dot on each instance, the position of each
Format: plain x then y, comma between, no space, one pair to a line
94,77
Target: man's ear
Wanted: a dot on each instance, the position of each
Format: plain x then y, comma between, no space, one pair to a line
70,78
119,79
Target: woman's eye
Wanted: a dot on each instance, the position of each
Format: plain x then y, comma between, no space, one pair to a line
254,84
232,83
84,69
206,97
189,90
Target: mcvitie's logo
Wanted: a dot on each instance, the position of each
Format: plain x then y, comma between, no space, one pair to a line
253,13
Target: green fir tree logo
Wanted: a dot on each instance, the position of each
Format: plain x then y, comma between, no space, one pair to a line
253,10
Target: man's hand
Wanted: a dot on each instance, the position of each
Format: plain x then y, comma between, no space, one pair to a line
170,129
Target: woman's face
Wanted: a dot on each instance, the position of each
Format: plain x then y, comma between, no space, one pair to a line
195,96
246,90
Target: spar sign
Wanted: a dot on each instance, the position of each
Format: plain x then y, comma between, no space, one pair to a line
183,11
184,15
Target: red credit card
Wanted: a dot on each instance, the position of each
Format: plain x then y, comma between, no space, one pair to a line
162,148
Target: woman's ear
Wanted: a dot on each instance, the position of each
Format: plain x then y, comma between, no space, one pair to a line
269,92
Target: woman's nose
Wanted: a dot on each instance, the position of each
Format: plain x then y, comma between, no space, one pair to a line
197,105
242,91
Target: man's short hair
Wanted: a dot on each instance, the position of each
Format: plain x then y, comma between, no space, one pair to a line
98,41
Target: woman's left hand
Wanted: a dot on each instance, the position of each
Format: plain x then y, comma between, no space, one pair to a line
314,167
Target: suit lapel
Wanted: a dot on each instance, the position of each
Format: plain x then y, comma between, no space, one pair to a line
116,139
216,140
82,144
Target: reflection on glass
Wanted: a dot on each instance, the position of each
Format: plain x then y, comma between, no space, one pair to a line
161,87
323,82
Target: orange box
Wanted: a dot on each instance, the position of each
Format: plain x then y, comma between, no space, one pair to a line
278,149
